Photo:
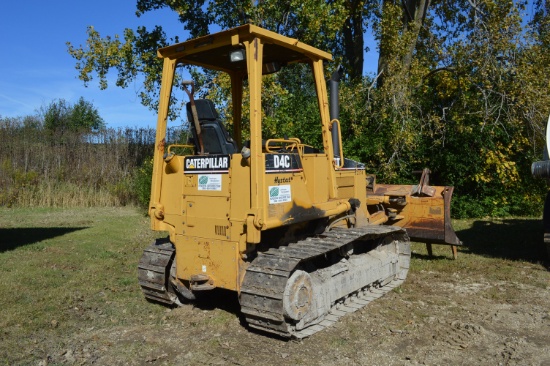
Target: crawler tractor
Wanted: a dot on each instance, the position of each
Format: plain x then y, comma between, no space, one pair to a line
302,234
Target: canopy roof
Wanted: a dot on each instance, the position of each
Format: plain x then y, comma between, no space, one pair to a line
212,51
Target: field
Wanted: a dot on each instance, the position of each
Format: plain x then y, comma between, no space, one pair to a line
69,295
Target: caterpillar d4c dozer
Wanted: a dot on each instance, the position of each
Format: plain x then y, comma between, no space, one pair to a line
290,228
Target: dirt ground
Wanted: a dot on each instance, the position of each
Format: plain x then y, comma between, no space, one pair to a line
431,320
73,299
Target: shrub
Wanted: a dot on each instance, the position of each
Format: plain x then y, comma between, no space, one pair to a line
142,183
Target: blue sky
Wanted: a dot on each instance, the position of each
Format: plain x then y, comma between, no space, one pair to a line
35,67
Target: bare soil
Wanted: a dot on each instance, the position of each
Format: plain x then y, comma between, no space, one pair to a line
433,319
489,307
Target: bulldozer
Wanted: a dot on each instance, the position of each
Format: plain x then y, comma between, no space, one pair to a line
302,234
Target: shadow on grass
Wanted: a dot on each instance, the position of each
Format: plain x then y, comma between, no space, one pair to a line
13,238
515,239
431,257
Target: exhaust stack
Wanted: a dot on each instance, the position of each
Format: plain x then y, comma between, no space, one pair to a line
334,87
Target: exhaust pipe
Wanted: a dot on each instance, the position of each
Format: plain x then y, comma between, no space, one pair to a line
334,109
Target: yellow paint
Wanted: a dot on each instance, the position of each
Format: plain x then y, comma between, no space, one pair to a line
216,226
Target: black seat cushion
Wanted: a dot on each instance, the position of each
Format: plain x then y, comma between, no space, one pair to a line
215,138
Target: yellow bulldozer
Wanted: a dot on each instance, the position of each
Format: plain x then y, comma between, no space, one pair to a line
304,235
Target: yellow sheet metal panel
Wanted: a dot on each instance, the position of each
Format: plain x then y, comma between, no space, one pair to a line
239,194
206,217
315,174
218,259
352,184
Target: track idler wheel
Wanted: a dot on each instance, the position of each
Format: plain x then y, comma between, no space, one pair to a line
298,295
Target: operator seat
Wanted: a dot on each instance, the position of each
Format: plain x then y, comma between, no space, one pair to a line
215,138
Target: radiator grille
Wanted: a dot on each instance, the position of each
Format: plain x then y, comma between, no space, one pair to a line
220,230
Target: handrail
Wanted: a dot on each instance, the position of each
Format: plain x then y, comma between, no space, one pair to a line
340,163
192,147
293,141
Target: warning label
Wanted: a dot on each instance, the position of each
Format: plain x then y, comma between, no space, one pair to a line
210,182
279,194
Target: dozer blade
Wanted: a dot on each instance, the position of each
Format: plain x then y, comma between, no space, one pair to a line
427,218
423,210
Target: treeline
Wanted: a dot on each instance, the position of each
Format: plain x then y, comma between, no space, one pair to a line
62,168
112,167
461,86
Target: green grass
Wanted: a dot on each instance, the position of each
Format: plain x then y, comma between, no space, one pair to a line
73,271
63,271
510,241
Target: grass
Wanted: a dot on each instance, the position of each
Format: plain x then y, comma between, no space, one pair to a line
511,241
68,271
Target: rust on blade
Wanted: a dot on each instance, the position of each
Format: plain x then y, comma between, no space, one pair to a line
423,210
431,219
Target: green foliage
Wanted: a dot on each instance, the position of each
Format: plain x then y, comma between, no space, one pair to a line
60,117
461,88
142,183
472,106
14,181
133,53
84,116
122,190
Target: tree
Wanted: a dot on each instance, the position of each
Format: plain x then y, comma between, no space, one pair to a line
84,116
60,117
398,30
333,25
461,84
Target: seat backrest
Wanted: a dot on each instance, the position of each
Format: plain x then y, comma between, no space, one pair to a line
215,138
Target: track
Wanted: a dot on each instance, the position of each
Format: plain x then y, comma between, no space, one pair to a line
153,270
298,290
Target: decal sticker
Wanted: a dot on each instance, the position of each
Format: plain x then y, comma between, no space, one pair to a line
207,164
282,163
210,182
279,194
279,180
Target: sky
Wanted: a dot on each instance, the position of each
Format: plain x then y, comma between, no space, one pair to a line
36,69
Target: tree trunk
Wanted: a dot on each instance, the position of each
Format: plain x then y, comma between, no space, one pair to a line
353,39
414,13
